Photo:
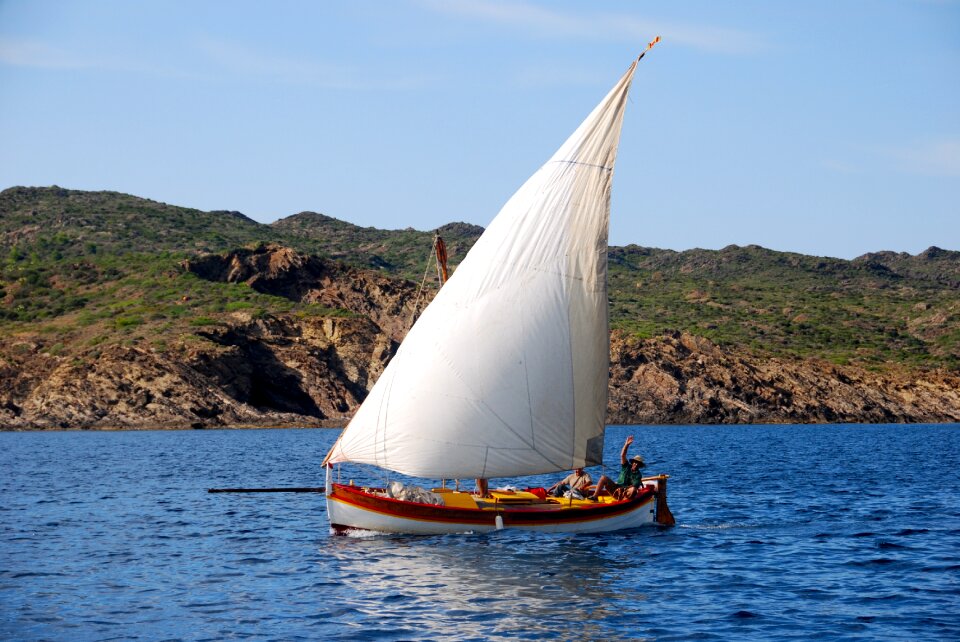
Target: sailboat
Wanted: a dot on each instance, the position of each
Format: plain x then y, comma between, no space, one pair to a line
505,372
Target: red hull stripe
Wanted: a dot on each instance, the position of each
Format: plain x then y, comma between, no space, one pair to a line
533,515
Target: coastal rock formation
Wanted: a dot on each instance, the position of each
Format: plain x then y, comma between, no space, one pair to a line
680,378
298,369
314,372
282,369
281,271
263,372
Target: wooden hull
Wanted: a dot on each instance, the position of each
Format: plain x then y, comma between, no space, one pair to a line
350,507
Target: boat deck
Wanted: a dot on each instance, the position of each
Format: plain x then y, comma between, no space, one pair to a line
372,509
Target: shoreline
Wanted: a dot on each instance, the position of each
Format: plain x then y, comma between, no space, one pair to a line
339,425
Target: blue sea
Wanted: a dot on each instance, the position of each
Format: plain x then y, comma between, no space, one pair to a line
783,532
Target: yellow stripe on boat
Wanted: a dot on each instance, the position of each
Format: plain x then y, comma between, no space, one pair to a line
458,500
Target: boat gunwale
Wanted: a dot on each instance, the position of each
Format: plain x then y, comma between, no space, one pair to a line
511,514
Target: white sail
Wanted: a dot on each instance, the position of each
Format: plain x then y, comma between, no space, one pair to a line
505,373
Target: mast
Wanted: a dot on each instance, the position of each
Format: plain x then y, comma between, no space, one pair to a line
440,249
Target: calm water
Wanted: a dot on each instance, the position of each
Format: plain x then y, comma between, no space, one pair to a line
839,532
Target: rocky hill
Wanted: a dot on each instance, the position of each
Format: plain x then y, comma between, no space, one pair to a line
894,311
116,311
682,378
245,368
400,252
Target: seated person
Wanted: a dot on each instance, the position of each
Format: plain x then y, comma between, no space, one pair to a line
577,480
628,482
483,488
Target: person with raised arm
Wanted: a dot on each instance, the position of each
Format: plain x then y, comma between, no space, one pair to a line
628,482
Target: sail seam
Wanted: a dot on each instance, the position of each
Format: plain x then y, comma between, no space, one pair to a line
382,425
573,386
572,162
516,433
526,381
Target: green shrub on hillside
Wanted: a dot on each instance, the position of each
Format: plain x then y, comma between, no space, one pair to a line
99,262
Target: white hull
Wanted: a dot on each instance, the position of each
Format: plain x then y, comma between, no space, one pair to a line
346,513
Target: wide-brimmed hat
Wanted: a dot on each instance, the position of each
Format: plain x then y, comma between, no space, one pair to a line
637,459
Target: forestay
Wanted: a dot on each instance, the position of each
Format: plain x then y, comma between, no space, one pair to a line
505,373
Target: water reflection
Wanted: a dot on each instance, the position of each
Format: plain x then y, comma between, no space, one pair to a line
511,583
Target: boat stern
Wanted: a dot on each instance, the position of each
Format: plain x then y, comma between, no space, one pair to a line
663,516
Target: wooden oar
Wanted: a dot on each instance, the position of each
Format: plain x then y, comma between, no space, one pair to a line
266,490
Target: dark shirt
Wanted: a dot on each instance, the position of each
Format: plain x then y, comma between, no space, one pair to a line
628,477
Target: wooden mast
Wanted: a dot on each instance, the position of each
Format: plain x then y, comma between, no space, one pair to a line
441,250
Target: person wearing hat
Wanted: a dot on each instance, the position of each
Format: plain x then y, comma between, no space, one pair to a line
628,482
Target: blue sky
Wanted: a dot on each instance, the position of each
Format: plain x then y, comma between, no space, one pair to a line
827,128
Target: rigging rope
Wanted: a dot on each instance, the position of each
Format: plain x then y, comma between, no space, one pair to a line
439,254
416,303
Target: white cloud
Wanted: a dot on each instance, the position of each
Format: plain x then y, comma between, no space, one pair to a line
930,158
926,158
246,61
546,22
37,54
554,76
19,52
841,167
216,57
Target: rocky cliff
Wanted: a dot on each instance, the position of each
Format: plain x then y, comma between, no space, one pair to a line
280,271
275,369
254,372
680,378
314,369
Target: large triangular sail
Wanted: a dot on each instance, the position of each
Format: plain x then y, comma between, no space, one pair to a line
505,373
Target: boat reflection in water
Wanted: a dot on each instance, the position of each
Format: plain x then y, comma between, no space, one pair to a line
467,586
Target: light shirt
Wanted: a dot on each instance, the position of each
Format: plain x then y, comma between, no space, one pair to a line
575,482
